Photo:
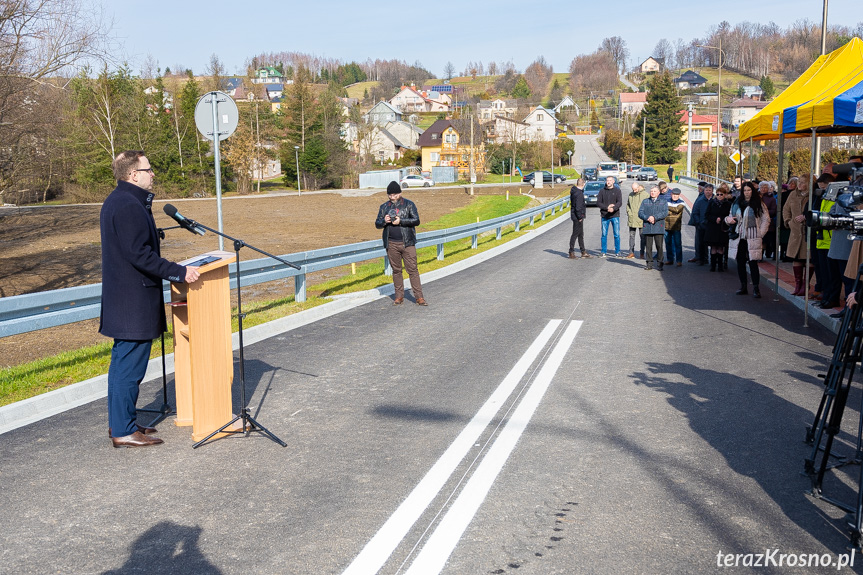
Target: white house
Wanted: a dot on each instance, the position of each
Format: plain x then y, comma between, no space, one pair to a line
631,102
741,110
409,99
541,124
488,109
504,130
383,112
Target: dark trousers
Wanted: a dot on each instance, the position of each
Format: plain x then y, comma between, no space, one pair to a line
632,232
653,240
822,269
742,260
770,244
397,252
833,290
128,365
577,233
700,245
673,246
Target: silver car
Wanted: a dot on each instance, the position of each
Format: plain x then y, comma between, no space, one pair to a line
414,181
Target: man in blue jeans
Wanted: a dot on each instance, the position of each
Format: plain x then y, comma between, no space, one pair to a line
609,201
673,224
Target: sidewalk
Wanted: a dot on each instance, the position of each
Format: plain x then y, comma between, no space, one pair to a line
786,278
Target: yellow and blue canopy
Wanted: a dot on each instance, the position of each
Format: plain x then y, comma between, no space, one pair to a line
828,96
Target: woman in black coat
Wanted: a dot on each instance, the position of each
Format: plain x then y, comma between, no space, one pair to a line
716,235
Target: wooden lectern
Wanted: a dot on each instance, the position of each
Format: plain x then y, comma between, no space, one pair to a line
203,356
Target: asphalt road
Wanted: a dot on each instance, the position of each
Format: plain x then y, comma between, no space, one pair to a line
542,415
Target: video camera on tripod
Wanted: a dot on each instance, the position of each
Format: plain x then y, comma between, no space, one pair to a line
846,194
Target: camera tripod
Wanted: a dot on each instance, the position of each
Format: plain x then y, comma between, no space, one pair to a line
847,352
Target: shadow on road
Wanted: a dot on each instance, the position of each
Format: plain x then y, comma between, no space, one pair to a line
167,548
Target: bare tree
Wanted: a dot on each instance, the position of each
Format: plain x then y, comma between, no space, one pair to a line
592,73
616,47
448,71
664,52
40,42
216,72
538,75
492,68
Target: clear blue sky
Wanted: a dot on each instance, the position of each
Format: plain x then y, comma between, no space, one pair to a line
188,32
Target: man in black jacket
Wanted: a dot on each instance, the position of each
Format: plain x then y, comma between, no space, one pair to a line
133,309
577,212
609,201
398,217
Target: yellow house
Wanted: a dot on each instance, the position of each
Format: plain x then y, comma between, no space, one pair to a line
442,145
703,132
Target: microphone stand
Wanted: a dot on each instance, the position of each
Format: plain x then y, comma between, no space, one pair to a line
249,423
166,410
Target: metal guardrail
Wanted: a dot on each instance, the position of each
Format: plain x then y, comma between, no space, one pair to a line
705,178
32,312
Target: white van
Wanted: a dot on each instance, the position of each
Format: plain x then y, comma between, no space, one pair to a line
605,169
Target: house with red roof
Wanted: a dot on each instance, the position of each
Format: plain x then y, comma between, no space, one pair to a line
704,129
409,99
631,103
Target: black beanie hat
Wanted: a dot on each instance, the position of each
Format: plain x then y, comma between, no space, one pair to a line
394,188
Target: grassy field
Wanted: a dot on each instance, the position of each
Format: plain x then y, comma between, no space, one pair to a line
34,378
357,90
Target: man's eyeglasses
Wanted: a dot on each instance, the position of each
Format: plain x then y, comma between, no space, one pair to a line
145,170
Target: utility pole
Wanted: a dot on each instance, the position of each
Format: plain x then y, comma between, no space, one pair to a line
719,112
817,163
258,151
643,139
689,144
472,173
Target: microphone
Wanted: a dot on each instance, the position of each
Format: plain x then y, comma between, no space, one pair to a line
185,223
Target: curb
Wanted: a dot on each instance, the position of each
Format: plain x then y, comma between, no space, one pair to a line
42,406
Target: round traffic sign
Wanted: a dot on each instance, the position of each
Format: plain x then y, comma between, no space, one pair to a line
227,115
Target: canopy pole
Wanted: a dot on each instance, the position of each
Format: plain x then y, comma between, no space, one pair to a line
779,219
751,155
809,230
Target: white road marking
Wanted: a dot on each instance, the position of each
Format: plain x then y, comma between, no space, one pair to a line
436,552
378,550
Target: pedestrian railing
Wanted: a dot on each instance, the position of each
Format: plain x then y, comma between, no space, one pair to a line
704,178
32,312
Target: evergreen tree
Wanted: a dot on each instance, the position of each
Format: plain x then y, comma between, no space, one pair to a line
521,90
663,128
767,87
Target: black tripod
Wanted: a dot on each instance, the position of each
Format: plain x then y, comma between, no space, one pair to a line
249,423
847,352
166,410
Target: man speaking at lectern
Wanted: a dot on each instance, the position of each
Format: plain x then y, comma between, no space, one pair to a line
133,309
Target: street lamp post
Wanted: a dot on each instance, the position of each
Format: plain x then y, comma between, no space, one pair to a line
297,156
718,102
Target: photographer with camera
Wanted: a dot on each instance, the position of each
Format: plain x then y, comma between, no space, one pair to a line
398,217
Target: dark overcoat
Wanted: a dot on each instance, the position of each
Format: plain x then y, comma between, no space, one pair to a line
132,268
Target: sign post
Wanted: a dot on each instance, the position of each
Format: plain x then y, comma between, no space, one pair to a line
216,117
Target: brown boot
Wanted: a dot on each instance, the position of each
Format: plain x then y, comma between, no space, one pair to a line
798,281
572,254
585,255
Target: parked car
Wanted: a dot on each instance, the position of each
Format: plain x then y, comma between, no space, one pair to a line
414,181
591,192
546,178
647,174
589,174
632,170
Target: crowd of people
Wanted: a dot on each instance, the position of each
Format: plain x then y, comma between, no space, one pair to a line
737,222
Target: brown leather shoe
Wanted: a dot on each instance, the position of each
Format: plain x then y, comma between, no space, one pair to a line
137,439
585,255
421,301
398,301
571,254
630,256
142,429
